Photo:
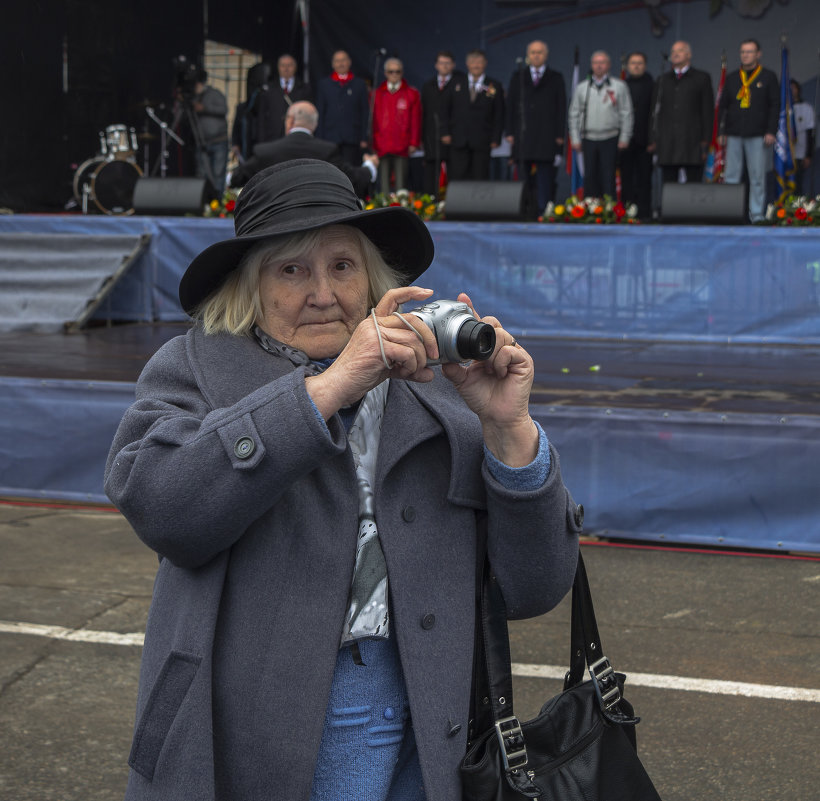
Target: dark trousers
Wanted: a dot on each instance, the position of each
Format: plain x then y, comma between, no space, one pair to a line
600,157
540,177
432,171
694,173
636,179
351,154
469,164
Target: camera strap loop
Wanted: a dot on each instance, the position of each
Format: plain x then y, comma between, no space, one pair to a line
387,364
404,320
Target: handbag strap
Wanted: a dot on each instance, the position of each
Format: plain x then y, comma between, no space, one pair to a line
492,673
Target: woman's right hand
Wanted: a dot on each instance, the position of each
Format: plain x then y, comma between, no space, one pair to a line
361,366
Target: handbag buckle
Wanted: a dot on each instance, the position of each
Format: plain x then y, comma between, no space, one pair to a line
511,740
606,685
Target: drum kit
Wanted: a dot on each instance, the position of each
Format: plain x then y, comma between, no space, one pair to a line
109,178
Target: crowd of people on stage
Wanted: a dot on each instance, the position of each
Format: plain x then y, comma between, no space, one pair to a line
464,119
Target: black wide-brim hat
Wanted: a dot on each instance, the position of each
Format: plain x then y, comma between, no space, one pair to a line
302,195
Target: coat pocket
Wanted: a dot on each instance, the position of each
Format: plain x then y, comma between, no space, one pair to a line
166,697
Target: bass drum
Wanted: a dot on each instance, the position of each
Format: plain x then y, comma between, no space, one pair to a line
111,184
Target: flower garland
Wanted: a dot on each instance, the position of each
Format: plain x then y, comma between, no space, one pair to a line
795,211
425,206
223,207
601,211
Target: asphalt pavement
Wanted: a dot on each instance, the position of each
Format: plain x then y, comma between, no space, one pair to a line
721,651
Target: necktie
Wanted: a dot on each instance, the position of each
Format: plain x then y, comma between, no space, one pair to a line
536,77
678,74
472,90
441,83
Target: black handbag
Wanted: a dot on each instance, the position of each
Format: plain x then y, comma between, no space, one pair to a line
582,745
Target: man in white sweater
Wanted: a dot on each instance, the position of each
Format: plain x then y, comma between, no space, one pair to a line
600,124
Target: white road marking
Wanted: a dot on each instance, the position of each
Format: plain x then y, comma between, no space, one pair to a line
662,682
73,635
653,680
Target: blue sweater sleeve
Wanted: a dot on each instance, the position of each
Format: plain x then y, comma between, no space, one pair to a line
522,479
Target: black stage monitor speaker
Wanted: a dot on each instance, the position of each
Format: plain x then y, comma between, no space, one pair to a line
484,200
713,204
171,196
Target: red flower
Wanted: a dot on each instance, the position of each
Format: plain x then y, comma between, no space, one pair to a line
230,205
619,209
801,214
577,211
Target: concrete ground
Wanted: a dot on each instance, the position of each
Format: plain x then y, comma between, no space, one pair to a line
67,695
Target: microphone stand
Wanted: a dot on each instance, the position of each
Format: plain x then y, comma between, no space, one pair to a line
372,101
164,131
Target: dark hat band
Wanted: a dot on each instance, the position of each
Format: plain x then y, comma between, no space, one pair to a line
277,212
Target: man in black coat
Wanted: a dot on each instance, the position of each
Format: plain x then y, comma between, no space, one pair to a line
344,109
636,160
434,94
683,112
300,143
536,122
272,104
473,120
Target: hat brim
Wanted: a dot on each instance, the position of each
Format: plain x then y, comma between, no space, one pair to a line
398,233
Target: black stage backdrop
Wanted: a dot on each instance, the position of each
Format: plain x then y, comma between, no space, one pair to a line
73,67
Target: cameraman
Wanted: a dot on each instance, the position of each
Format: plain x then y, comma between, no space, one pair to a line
211,109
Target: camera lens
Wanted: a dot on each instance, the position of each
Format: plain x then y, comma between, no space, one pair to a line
475,340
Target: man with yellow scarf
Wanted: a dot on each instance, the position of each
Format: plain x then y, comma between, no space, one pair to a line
749,111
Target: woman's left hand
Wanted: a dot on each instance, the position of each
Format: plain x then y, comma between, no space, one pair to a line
498,391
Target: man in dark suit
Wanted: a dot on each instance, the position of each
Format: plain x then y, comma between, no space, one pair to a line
683,109
344,109
300,143
636,160
536,122
473,120
434,94
272,104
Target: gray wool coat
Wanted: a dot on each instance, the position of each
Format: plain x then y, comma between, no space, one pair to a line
224,469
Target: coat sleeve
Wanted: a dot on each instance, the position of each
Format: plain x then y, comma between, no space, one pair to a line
498,114
191,478
532,541
626,114
575,116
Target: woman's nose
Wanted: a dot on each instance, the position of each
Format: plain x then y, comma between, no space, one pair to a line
322,293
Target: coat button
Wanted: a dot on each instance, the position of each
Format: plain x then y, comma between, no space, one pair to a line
409,514
454,730
244,448
428,621
579,516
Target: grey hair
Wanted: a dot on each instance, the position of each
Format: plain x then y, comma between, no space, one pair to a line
236,306
304,115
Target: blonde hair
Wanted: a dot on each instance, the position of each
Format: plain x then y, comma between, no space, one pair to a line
236,307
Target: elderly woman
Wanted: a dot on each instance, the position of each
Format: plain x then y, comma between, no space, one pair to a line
318,495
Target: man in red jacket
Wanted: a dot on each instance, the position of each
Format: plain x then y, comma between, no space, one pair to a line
396,125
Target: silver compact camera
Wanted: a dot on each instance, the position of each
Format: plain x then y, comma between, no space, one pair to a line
459,335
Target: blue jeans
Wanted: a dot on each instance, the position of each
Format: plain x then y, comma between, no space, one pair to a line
216,157
754,152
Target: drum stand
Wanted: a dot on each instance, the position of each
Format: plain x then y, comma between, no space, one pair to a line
163,144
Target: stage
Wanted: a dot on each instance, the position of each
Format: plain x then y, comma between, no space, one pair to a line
676,367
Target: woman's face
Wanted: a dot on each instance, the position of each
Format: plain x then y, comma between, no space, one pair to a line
314,301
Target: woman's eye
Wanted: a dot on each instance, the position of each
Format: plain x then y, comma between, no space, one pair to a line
290,269
343,265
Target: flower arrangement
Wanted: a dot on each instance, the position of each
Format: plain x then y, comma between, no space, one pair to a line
796,210
602,211
223,207
425,206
